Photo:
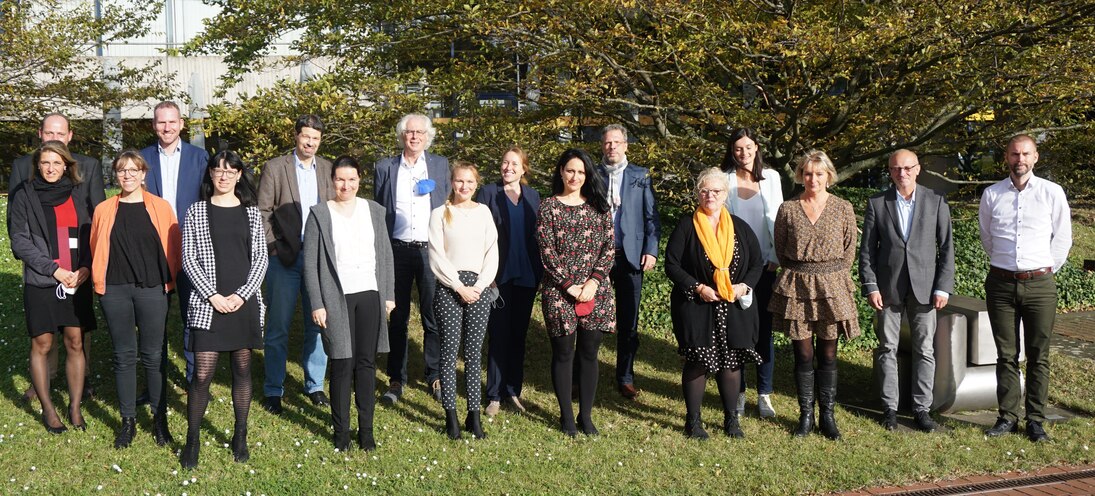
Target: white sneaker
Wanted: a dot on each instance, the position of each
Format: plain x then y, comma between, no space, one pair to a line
764,404
492,408
741,403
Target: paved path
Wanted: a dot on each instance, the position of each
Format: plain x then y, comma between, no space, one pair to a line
1054,481
1074,334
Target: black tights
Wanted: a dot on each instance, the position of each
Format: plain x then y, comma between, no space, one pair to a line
804,354
694,383
205,365
562,375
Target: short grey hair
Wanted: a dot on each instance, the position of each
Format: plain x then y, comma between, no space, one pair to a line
401,126
614,127
712,174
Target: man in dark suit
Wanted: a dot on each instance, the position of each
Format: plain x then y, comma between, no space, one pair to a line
637,229
409,186
55,127
290,186
175,171
906,266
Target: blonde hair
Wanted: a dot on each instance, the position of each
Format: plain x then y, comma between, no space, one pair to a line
457,166
523,157
819,158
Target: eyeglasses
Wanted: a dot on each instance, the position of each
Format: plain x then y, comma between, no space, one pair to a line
414,132
229,173
712,192
908,170
127,172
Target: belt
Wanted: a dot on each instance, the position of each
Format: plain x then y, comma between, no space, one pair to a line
1021,275
410,244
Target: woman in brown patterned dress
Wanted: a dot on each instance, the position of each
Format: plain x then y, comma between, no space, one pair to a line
815,240
576,243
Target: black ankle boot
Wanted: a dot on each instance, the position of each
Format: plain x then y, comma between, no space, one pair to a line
239,445
826,392
125,434
693,428
365,440
452,424
731,426
189,457
474,426
342,440
805,383
159,430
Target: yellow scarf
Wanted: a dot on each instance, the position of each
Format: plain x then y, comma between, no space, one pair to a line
719,248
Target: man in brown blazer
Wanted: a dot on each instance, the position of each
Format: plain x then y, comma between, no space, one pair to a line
289,187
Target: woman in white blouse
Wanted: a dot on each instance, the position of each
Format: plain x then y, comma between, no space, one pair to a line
349,276
755,196
464,258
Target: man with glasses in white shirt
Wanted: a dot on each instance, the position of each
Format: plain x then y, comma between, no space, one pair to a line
1026,230
409,186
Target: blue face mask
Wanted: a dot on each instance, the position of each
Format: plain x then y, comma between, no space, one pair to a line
424,186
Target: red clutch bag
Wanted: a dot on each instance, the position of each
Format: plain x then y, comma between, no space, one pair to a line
586,308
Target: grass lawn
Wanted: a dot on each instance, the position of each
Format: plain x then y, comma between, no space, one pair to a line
640,450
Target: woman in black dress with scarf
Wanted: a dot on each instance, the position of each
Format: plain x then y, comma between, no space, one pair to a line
226,265
50,231
714,261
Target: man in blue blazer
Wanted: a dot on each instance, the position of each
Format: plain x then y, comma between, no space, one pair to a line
175,172
409,186
637,229
906,266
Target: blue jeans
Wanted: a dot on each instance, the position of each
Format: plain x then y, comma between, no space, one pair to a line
283,284
766,343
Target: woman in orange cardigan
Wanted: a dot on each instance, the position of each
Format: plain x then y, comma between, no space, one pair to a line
136,246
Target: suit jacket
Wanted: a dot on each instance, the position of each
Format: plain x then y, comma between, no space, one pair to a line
639,221
192,164
91,185
279,203
494,197
385,174
893,266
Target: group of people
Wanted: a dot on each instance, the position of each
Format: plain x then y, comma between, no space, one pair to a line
744,264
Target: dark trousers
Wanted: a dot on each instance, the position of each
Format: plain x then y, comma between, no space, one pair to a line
136,318
365,314
1032,302
766,343
508,329
412,264
628,283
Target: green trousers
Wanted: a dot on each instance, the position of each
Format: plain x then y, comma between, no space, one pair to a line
1032,302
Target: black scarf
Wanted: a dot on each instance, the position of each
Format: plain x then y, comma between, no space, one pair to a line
52,194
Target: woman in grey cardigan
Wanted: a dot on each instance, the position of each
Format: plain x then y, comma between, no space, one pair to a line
348,272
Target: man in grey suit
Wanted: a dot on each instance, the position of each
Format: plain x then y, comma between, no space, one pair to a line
55,127
906,266
635,221
289,187
409,186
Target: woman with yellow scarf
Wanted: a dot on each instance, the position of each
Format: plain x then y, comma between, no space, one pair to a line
714,261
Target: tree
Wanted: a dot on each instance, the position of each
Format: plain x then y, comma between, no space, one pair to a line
858,79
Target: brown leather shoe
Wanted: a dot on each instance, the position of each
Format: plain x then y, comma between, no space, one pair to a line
628,391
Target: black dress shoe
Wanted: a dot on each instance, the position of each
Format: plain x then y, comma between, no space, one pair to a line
272,404
125,434
1002,426
1035,432
80,426
61,429
924,422
319,399
889,419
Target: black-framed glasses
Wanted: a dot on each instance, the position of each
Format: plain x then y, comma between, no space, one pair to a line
127,172
229,173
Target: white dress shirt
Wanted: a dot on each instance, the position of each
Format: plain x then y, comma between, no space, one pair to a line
1028,229
412,210
307,186
169,173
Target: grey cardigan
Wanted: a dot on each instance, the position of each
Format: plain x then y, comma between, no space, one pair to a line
322,284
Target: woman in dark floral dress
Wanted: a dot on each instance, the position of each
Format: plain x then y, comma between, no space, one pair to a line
575,236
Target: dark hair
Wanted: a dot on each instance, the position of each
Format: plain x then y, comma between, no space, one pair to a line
71,170
345,161
593,189
308,120
245,187
730,162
